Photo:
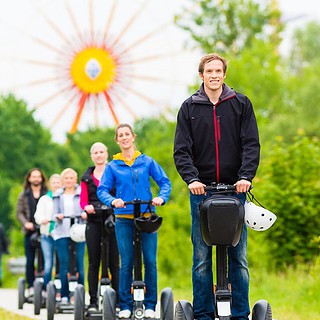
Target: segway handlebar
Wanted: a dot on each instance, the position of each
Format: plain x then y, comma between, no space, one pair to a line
137,201
220,187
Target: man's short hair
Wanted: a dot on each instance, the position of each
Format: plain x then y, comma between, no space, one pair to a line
210,57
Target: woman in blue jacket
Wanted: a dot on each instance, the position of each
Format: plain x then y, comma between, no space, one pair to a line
130,173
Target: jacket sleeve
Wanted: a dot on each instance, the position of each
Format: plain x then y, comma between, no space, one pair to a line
40,214
106,187
250,144
182,152
84,196
21,214
162,180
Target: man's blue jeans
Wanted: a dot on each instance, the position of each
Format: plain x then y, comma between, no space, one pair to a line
202,275
47,246
63,251
124,234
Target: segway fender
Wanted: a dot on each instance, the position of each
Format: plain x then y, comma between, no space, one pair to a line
184,310
262,310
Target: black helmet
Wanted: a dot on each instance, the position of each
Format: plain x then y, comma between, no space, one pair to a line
150,224
35,239
109,224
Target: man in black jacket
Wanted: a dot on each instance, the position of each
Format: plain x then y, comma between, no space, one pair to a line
216,140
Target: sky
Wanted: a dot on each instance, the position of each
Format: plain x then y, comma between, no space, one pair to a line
32,35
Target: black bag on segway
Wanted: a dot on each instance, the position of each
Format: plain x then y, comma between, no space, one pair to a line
221,220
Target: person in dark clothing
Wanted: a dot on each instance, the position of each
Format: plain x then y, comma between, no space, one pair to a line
89,201
4,244
34,187
216,140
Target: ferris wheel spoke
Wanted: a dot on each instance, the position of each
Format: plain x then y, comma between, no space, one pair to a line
126,106
130,22
74,23
91,20
111,108
63,110
51,97
144,38
109,20
81,104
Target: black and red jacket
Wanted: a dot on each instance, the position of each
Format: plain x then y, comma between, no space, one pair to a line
216,143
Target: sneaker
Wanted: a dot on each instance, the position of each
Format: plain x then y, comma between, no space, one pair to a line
93,307
124,314
44,294
31,292
149,313
64,300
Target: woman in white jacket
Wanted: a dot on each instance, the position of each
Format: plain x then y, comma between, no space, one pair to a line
43,217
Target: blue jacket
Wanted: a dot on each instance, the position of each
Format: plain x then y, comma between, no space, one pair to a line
133,182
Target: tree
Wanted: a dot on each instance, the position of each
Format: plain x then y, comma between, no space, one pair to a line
25,143
288,185
230,26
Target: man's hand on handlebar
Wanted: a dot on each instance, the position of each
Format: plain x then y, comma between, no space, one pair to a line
196,187
242,186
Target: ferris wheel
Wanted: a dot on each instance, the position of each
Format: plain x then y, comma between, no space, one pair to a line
94,63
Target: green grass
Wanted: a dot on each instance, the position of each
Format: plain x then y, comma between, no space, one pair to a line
4,314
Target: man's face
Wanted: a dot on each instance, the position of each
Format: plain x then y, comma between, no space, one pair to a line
35,178
213,75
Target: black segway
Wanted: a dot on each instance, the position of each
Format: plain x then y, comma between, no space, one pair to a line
221,221
107,228
35,242
39,300
53,301
138,286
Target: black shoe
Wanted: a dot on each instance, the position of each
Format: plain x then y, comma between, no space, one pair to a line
93,307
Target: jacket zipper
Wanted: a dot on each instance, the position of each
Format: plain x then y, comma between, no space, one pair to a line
216,126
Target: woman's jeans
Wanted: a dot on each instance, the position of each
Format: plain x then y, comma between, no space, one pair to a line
202,275
63,251
47,247
124,235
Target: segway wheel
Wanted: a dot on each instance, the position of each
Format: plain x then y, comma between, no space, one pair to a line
262,310
37,299
51,300
184,310
166,302
109,304
79,302
21,296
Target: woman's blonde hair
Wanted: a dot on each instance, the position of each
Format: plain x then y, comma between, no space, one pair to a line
55,176
98,144
68,170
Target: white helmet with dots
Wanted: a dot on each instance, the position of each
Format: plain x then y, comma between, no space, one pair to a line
77,232
258,218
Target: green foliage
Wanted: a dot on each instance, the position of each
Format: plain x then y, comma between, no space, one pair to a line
24,142
305,46
288,184
230,26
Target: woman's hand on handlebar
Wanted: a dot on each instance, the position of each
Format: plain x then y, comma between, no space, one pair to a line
196,187
84,215
118,203
89,209
60,216
242,186
157,201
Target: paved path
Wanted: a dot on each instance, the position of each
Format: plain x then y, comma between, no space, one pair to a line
9,301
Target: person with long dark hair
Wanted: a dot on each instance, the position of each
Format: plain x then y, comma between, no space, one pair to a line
34,187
